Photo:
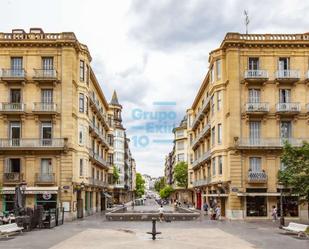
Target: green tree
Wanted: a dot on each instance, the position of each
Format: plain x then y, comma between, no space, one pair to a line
166,192
115,174
140,185
160,184
296,170
181,174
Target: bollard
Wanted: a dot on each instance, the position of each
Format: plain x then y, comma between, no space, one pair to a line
154,230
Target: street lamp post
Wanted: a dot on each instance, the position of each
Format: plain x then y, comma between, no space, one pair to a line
281,205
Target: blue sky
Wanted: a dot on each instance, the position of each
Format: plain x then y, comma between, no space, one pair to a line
153,51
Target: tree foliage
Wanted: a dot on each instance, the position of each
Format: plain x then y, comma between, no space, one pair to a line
115,174
296,170
140,185
166,191
181,174
160,184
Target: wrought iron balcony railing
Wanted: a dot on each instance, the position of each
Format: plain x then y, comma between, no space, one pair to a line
202,182
269,142
287,74
32,143
288,107
45,178
257,107
12,107
256,74
257,177
12,177
204,131
44,107
13,73
45,74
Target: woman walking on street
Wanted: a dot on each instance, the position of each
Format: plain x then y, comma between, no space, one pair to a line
161,213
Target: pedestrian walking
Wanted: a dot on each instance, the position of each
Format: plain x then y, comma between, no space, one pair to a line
218,212
161,213
211,211
205,207
274,213
175,206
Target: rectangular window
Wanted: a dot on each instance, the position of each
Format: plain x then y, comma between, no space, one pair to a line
82,70
81,135
15,96
15,133
87,73
219,133
46,98
285,130
255,164
283,63
220,165
180,157
13,165
180,145
212,103
46,133
284,95
81,102
212,75
253,63
17,66
255,132
254,95
282,165
213,138
87,105
218,67
46,174
81,167
214,166
47,64
219,100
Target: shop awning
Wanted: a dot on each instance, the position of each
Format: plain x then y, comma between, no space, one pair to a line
259,194
32,190
215,195
107,195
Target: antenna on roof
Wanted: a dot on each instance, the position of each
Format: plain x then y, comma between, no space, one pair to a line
246,20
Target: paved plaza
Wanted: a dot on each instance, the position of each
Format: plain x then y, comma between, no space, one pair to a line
95,232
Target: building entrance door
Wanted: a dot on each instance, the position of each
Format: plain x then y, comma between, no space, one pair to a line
79,205
198,200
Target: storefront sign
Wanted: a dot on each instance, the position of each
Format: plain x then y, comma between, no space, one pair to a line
234,189
66,187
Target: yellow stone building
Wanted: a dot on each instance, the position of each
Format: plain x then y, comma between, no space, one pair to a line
56,127
254,97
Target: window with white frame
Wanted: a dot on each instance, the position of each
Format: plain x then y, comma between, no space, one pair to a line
220,165
212,74
81,135
219,100
213,166
82,70
213,138
81,167
180,145
255,164
181,157
219,131
212,103
218,67
81,102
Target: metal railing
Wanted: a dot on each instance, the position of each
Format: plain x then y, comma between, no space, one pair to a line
259,177
288,107
198,115
45,73
202,182
98,108
257,107
97,182
256,74
98,158
201,159
32,143
45,177
201,134
270,142
44,107
12,177
12,107
287,74
13,73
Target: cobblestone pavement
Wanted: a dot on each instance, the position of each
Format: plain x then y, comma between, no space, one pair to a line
95,232
150,205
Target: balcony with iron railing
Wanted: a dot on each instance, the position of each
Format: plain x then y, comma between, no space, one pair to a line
12,177
33,144
201,182
45,178
98,134
12,108
97,182
287,75
200,136
255,108
45,75
257,177
266,143
41,107
205,157
94,103
96,158
256,75
14,75
200,113
288,108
